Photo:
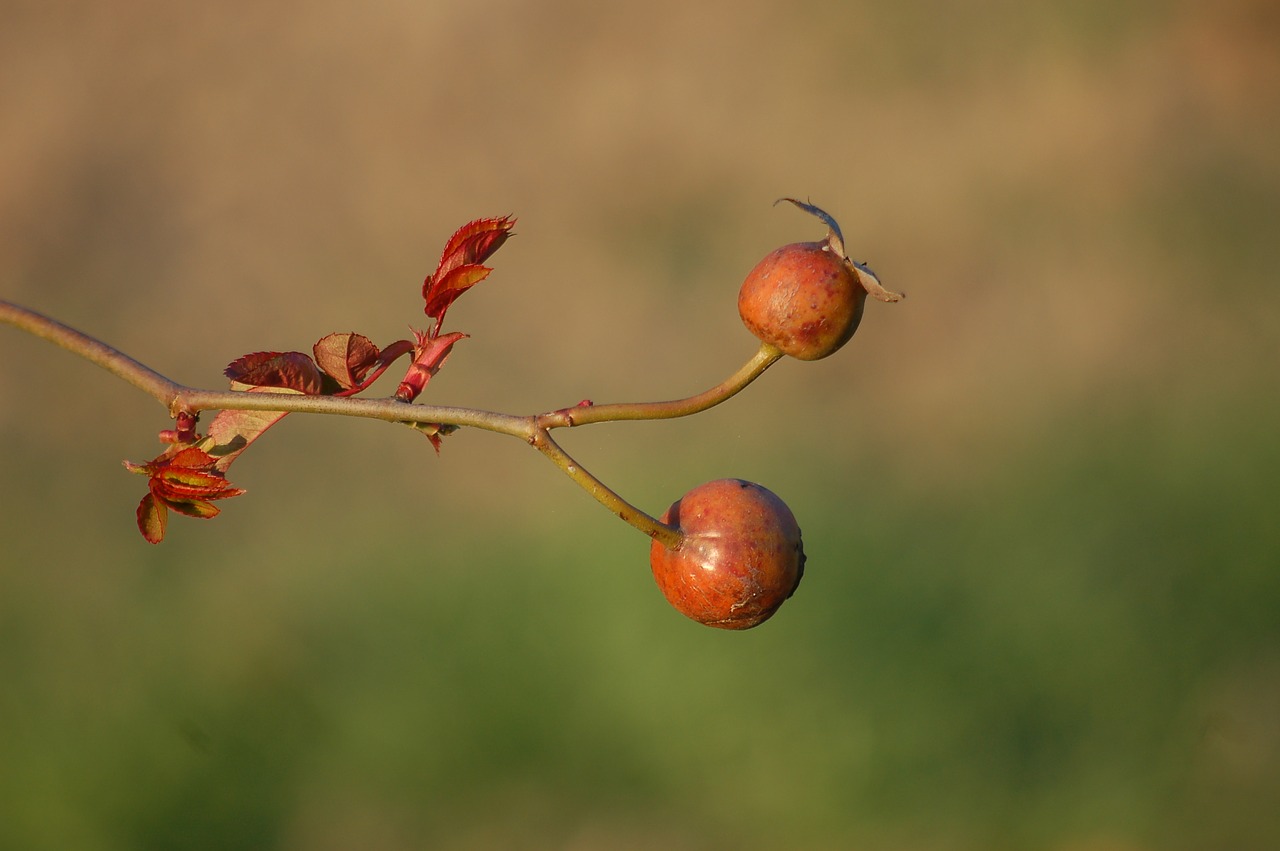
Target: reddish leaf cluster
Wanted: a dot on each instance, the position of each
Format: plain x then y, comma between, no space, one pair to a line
183,479
344,365
188,475
461,267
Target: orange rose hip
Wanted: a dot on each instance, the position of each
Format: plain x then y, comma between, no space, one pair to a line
806,299
740,555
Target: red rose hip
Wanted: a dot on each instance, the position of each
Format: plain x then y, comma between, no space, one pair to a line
802,299
739,558
806,299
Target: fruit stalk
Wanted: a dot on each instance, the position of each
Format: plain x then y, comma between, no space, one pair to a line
667,535
764,358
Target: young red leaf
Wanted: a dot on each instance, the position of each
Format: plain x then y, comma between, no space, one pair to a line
183,480
347,358
428,356
231,432
280,370
448,286
192,458
197,508
177,483
471,245
174,484
153,517
386,357
475,242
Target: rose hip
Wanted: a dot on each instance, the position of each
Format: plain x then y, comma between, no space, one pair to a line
739,558
807,298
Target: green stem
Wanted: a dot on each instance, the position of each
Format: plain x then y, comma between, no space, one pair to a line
764,358
388,409
606,496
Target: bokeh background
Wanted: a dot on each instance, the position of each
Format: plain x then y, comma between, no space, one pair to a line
1039,497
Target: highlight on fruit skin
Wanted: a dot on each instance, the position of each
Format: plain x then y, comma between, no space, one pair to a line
807,298
740,555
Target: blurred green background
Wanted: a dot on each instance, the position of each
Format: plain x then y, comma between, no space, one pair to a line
1042,607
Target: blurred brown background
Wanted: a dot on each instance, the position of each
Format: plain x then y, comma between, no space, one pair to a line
1039,496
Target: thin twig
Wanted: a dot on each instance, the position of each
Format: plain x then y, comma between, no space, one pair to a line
669,536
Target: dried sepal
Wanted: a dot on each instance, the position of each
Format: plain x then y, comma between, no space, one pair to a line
867,279
434,432
834,236
871,283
